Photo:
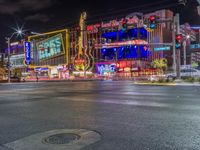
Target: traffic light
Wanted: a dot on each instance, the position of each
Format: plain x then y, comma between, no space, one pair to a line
178,41
152,22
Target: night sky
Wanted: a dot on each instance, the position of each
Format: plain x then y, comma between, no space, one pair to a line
46,15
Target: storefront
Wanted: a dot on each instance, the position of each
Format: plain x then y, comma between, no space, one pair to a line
17,65
135,68
62,72
42,72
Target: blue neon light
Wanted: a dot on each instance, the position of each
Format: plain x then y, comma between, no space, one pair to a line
27,46
130,34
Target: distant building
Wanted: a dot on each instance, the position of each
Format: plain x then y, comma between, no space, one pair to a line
17,58
190,36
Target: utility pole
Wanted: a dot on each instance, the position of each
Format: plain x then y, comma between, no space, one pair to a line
177,20
173,43
8,40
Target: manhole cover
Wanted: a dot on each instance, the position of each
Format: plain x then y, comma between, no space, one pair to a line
63,138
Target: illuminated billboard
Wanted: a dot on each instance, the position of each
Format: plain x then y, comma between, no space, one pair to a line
50,47
102,68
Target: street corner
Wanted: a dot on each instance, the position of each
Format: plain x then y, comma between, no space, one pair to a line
62,139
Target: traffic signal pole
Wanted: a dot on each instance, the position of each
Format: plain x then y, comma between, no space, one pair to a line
174,43
8,59
177,22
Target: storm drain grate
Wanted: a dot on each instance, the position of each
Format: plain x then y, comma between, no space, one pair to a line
62,138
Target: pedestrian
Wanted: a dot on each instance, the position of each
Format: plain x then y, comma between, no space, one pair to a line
37,77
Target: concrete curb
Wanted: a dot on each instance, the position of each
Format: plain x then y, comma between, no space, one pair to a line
156,84
168,84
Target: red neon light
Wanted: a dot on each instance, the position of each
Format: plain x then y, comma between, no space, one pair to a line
178,37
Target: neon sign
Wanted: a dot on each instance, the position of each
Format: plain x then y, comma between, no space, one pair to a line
50,47
106,68
113,23
93,28
27,46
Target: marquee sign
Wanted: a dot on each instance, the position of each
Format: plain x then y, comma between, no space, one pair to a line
50,47
133,20
27,47
116,23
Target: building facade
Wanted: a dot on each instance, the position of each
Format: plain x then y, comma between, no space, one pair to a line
123,47
50,54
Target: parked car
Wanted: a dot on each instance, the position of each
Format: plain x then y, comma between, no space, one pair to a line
185,72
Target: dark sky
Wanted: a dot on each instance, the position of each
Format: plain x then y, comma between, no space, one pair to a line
45,15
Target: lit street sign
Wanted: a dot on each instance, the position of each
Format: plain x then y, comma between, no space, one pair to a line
195,46
166,48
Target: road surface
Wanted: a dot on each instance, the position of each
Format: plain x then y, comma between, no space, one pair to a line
128,117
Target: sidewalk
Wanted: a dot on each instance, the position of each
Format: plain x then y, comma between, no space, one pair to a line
168,84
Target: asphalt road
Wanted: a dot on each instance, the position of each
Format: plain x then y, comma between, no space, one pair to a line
128,117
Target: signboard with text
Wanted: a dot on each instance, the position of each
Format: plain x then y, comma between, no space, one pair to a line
50,47
27,46
195,46
166,48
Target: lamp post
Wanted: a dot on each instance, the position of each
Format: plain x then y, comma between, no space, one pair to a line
18,32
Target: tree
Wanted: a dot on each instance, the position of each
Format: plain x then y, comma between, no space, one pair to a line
194,64
160,64
17,72
2,73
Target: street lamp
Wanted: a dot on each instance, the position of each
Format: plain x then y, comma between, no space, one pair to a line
18,32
